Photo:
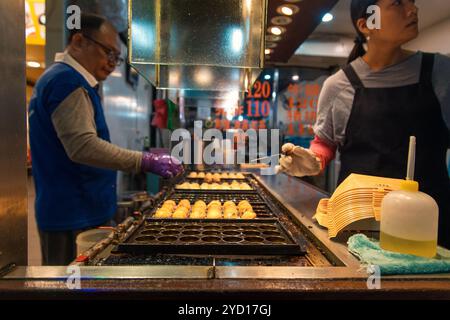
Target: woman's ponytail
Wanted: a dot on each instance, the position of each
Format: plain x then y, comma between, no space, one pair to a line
358,49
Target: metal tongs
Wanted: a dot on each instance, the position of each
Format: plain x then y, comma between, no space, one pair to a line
274,155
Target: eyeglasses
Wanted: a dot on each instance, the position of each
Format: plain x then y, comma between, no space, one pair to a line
113,57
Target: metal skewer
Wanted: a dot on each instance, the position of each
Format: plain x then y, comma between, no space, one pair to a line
268,157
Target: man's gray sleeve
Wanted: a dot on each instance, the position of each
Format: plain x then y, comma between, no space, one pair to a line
441,84
74,123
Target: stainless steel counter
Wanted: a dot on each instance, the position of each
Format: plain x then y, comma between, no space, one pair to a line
345,276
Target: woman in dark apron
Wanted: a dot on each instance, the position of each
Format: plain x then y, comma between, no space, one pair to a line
382,97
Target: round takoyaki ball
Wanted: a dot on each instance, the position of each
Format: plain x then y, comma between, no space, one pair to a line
249,214
201,175
208,179
232,175
162,214
209,174
173,203
183,209
216,177
200,203
204,186
214,213
193,175
199,206
214,202
180,214
241,203
230,208
244,208
240,176
215,207
197,215
195,186
215,186
167,207
245,186
184,203
229,204
230,215
224,175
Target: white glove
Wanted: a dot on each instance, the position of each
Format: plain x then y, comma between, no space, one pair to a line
299,161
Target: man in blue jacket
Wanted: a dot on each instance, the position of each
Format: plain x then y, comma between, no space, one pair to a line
74,162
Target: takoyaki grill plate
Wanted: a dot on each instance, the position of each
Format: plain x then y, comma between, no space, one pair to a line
224,237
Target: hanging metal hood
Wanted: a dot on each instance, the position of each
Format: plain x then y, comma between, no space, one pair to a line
213,45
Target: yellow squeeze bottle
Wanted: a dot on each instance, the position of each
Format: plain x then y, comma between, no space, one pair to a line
409,218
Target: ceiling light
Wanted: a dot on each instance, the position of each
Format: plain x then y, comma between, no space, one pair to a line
327,17
268,51
287,11
33,64
281,20
277,30
267,77
203,76
295,77
272,37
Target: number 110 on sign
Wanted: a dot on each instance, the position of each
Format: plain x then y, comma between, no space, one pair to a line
260,108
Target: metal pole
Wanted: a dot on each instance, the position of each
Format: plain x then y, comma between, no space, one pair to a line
13,132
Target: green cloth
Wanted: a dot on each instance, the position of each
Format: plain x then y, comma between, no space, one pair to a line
173,115
369,253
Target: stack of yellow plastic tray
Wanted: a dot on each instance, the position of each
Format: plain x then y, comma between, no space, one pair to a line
358,197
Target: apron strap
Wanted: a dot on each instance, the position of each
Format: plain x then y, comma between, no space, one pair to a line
353,77
426,72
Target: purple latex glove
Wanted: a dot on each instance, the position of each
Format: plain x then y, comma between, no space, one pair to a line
161,164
